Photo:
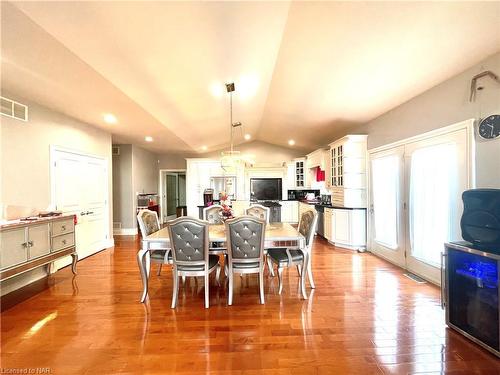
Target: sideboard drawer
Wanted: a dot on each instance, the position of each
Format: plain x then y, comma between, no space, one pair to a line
63,241
62,227
13,247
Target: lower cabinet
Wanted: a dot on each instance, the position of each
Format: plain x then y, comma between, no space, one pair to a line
290,212
346,227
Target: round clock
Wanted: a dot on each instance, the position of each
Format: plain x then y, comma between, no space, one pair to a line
489,127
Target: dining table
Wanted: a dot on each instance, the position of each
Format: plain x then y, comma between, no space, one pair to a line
277,235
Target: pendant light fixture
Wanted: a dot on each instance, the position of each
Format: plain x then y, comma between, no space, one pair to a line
231,159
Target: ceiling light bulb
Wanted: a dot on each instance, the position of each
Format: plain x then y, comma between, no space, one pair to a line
148,138
291,142
204,148
247,136
110,118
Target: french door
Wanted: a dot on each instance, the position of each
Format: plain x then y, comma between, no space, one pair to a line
416,201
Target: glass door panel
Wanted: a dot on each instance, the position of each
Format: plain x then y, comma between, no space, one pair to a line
387,226
436,177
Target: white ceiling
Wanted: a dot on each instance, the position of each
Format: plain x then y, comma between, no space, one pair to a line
303,70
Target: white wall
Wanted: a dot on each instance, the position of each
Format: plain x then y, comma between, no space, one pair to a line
25,154
446,104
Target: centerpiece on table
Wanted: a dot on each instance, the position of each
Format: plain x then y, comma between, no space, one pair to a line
226,212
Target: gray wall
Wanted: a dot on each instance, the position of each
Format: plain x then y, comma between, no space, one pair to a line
135,170
123,196
446,104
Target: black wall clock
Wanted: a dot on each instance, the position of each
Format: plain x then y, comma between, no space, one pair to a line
489,127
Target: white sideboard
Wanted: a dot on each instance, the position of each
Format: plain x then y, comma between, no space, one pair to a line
26,245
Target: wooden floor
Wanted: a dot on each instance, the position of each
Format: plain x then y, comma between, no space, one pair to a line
364,317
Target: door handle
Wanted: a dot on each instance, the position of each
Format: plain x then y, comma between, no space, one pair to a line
83,213
30,243
90,212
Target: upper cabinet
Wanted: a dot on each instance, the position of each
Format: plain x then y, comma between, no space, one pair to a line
346,174
300,173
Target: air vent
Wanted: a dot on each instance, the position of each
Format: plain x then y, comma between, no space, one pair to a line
13,109
116,150
117,225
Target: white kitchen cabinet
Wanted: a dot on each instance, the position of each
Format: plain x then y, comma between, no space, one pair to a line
290,212
346,175
300,173
327,219
348,228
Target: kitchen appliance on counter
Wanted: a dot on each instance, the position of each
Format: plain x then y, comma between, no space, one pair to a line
297,195
208,197
326,199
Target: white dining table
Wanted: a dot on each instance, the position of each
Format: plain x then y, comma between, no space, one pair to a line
277,235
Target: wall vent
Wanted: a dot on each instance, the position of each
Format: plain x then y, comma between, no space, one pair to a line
115,150
117,225
13,109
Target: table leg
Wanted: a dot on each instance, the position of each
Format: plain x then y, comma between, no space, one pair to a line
142,260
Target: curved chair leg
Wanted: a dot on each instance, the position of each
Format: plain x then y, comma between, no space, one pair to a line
159,269
175,289
270,266
280,278
207,291
217,274
261,285
309,272
303,279
299,269
141,261
230,291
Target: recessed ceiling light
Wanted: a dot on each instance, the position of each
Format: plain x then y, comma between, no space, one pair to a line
148,138
110,118
247,136
204,148
291,142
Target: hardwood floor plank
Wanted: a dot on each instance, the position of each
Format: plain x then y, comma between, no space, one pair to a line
364,317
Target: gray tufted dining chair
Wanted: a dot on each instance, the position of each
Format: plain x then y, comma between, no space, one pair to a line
245,244
259,211
284,257
189,242
263,213
149,223
212,214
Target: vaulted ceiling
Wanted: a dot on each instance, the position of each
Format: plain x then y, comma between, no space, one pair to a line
306,71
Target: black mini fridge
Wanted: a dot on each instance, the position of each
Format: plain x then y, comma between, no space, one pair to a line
470,293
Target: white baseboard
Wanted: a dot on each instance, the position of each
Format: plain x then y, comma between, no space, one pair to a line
125,231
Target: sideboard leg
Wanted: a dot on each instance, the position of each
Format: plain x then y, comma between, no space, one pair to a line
73,264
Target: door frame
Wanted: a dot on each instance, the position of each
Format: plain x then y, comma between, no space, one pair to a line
160,188
470,151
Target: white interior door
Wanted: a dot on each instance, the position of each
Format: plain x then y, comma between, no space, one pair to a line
387,204
436,176
80,187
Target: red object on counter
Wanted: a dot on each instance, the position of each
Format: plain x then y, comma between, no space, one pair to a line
320,175
75,219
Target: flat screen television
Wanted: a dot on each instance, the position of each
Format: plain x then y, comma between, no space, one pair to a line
265,189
